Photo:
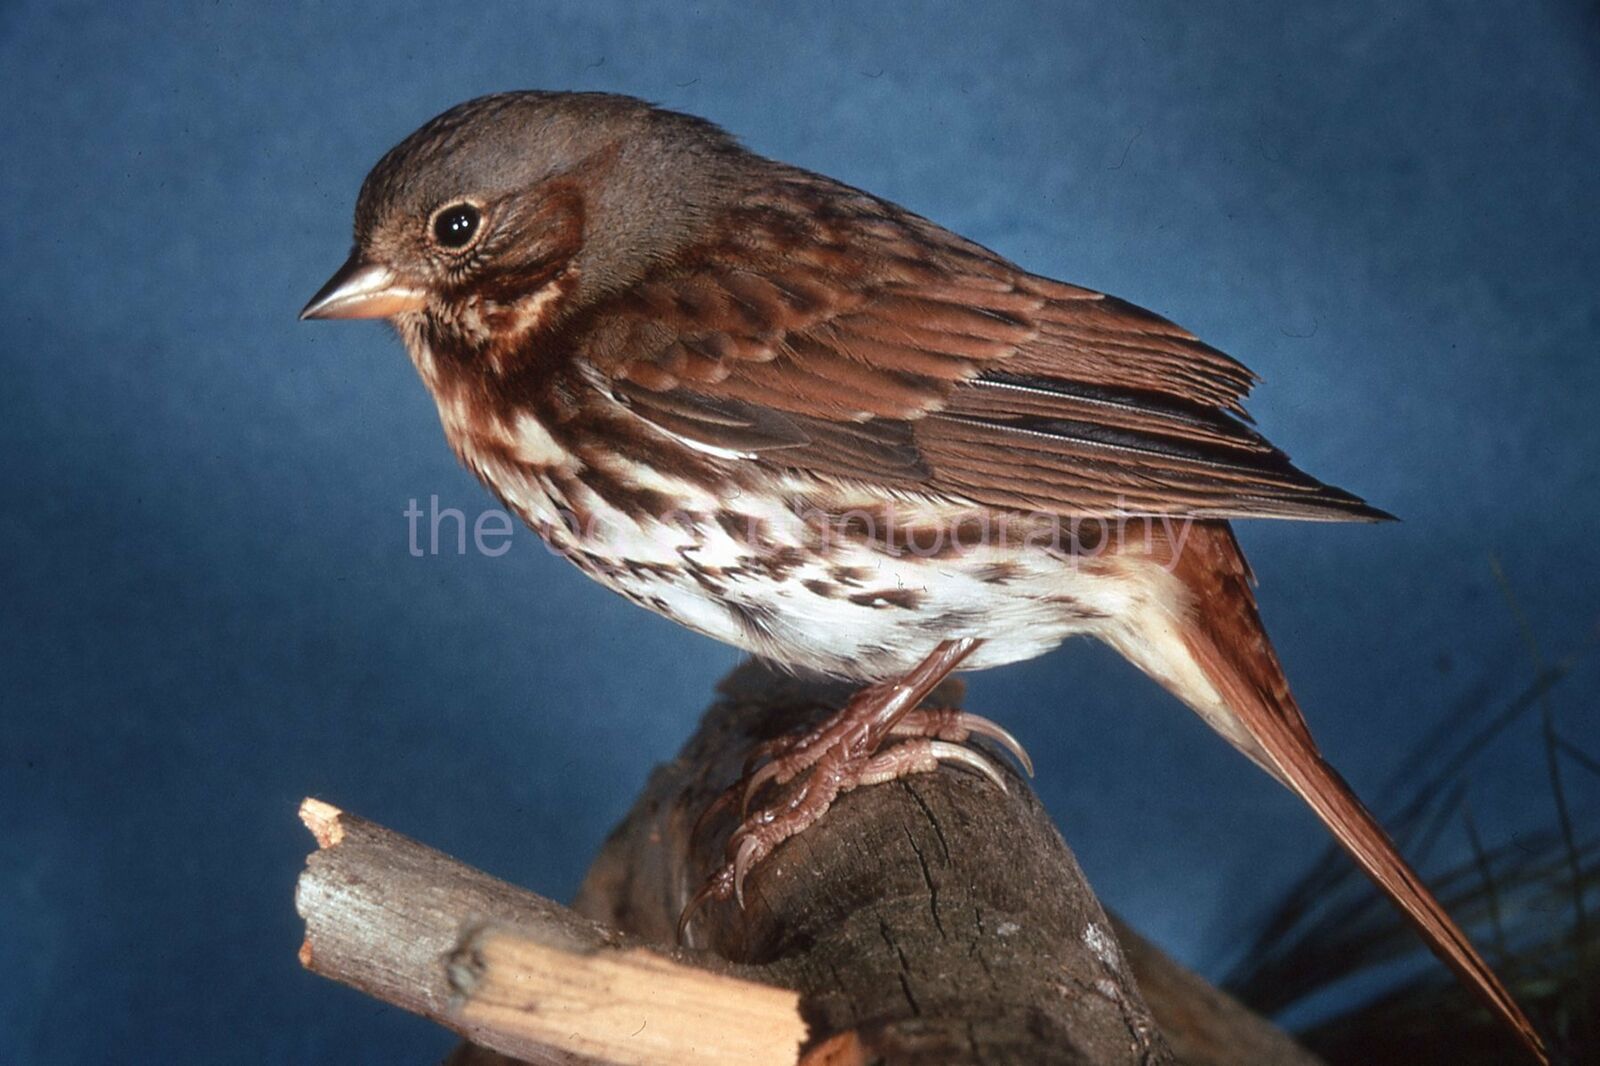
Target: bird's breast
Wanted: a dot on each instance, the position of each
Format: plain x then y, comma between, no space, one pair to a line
802,572
845,579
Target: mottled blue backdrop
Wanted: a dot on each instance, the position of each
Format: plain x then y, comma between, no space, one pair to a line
208,608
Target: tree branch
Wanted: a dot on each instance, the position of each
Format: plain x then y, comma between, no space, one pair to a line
514,971
933,920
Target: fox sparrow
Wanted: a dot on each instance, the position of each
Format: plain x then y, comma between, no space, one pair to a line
807,422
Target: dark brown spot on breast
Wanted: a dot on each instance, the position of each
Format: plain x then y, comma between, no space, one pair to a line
849,576
1000,573
741,528
909,599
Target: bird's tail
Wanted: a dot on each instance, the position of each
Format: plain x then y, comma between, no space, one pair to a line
1196,630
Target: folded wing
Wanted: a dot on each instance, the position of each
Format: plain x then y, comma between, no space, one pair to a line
827,331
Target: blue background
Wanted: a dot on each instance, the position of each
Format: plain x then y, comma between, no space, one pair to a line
208,610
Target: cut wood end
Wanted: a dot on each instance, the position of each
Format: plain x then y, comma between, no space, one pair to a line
323,821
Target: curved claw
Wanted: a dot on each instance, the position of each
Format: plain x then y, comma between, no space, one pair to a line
764,750
746,858
958,726
977,723
753,784
944,751
719,886
692,908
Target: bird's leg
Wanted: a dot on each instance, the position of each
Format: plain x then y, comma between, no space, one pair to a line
844,753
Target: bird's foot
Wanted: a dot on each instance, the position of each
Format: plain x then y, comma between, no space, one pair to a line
779,761
851,748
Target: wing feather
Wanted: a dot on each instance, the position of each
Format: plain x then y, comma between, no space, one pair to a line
817,308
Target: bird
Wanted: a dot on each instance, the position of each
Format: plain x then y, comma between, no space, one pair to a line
805,421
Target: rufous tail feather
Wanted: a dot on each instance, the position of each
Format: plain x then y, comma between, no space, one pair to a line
1199,634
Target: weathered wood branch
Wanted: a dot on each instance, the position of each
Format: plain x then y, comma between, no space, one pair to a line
515,972
934,920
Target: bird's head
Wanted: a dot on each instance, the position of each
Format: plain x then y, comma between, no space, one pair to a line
505,213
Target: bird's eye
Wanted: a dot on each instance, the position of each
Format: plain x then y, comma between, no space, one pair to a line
455,226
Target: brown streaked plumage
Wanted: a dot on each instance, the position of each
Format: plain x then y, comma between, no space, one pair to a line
805,421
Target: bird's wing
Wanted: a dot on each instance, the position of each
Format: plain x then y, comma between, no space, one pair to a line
825,330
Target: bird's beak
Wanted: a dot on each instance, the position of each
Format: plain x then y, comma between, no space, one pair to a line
363,290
